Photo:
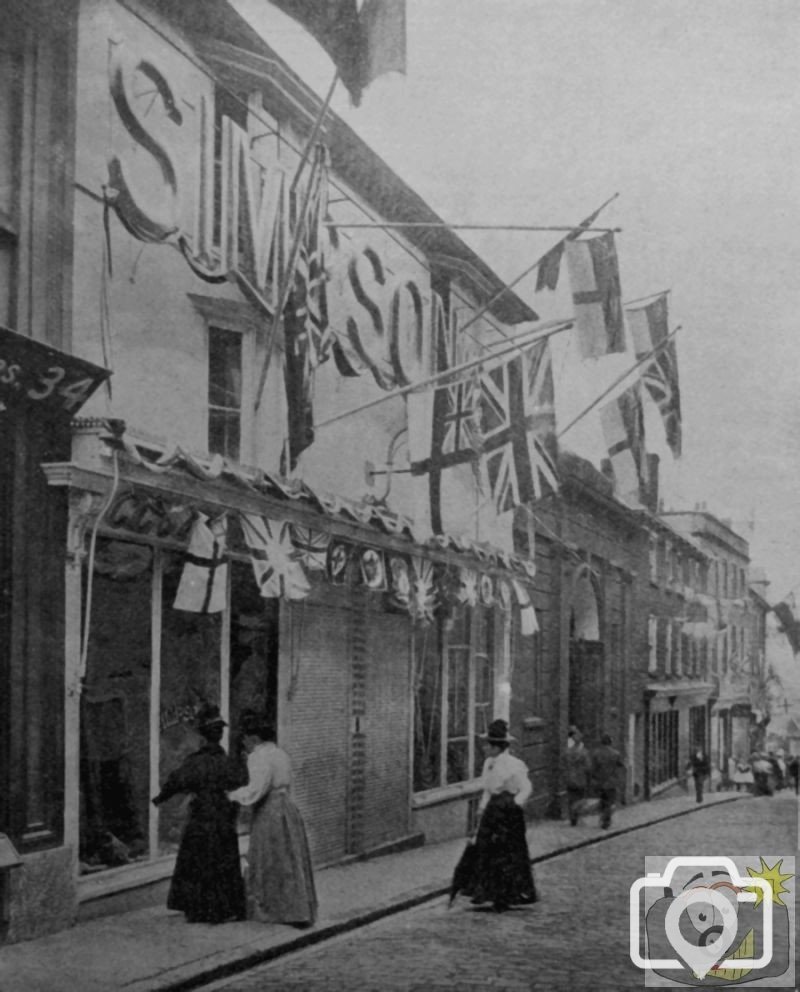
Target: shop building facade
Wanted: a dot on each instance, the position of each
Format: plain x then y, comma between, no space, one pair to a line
676,680
381,652
737,637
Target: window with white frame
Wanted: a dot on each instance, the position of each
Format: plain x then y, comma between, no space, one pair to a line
652,644
454,695
667,648
224,392
231,331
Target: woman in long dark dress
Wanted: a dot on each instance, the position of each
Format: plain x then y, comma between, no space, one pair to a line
207,884
503,874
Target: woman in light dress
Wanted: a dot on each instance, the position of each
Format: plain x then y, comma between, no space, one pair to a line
279,877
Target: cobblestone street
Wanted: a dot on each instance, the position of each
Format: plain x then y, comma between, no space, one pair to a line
575,938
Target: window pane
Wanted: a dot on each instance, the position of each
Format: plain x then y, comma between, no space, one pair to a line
115,710
224,368
224,433
253,648
458,715
427,708
190,670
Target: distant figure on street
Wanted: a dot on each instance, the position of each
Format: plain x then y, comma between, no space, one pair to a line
778,769
576,773
503,873
699,767
280,879
605,771
207,884
793,767
761,769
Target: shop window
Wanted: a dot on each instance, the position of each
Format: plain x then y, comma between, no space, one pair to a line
189,676
454,697
664,746
150,668
115,781
224,392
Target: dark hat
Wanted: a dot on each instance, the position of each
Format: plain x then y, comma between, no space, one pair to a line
498,733
209,716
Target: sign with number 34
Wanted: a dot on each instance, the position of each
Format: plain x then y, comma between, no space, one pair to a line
35,375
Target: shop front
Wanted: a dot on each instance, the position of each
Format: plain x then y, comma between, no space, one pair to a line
381,660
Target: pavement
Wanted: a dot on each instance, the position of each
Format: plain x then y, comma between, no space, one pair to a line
153,949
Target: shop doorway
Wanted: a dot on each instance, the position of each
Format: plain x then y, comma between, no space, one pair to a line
586,662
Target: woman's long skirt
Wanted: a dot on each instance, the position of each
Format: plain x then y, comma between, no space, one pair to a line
207,884
279,878
503,874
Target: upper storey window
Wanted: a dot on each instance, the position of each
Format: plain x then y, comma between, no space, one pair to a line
224,392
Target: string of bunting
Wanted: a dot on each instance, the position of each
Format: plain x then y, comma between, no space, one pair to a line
282,552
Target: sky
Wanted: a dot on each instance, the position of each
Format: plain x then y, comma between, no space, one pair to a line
535,112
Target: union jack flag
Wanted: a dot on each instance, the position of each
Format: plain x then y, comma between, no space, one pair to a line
309,292
649,328
308,335
276,563
518,428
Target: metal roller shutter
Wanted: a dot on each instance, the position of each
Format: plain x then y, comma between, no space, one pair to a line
316,720
386,792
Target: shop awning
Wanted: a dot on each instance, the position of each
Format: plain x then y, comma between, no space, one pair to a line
178,483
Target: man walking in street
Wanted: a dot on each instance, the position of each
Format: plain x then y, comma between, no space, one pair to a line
576,774
699,767
606,768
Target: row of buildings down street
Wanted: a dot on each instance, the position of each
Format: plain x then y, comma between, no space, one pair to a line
147,154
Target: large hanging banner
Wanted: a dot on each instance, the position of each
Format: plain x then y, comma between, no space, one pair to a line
36,376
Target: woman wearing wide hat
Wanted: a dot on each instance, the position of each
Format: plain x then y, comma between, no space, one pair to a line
207,884
503,873
279,877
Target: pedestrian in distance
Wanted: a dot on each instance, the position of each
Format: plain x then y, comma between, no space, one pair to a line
576,774
207,884
279,877
762,769
699,767
503,875
793,767
606,766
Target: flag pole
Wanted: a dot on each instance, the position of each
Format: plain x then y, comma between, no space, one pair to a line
645,358
314,132
650,296
286,283
284,288
471,227
545,331
528,271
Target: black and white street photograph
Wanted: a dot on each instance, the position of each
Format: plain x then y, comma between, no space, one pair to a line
399,488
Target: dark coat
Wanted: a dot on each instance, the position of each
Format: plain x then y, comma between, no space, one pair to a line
207,884
607,764
699,765
576,768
